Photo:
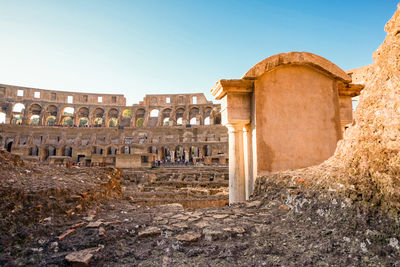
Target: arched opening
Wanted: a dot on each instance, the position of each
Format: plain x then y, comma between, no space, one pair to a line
83,112
207,150
179,154
98,114
139,122
9,146
68,111
111,150
67,121
2,117
193,114
19,108
97,150
83,121
126,150
17,119
98,122
68,151
127,113
139,117
179,116
166,122
154,113
207,121
34,151
166,113
51,120
34,120
113,122
51,151
193,121
35,109
194,153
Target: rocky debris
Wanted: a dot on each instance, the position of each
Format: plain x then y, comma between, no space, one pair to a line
189,237
95,224
150,231
82,257
66,233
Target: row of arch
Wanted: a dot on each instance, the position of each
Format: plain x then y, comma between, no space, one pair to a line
50,116
165,154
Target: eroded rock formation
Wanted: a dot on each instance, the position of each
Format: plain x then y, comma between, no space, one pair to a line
370,151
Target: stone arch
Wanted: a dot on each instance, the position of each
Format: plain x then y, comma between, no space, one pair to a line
51,115
17,119
51,120
67,121
125,118
139,117
113,122
165,117
127,113
179,113
18,108
34,120
194,116
154,113
83,112
97,117
68,111
113,113
35,109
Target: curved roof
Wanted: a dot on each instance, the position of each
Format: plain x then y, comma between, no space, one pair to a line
297,58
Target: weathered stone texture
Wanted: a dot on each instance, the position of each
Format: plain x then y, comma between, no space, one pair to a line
370,151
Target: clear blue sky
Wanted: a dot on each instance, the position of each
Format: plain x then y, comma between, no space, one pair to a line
168,46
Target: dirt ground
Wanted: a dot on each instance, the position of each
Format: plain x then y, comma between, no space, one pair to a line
47,214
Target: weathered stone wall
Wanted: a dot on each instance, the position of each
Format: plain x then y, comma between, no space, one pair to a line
167,128
370,151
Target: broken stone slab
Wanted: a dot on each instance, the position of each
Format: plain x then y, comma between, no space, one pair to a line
150,231
82,257
189,237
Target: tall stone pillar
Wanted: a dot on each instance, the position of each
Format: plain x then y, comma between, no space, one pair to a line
235,96
248,160
237,188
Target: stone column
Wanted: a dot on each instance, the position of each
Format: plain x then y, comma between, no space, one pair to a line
237,187
248,163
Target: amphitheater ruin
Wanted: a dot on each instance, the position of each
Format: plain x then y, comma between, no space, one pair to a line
100,130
